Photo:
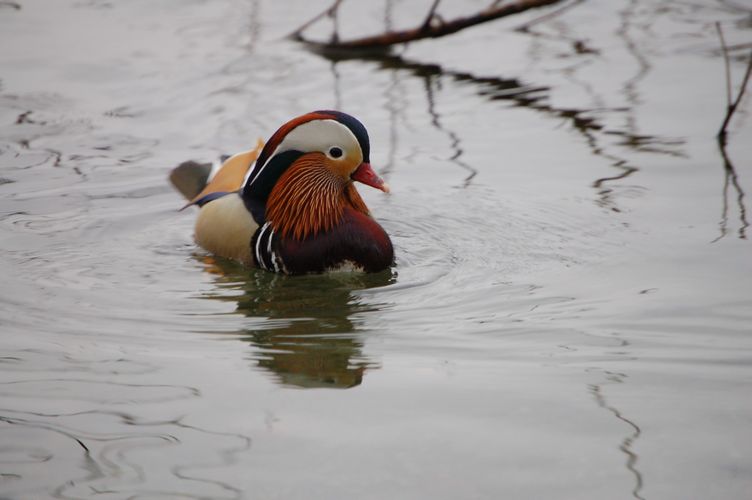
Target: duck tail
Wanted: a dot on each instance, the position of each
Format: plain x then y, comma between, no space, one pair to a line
190,178
200,183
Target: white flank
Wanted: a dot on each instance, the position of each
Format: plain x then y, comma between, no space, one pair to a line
225,227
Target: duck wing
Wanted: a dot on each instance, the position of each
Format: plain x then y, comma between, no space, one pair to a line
196,183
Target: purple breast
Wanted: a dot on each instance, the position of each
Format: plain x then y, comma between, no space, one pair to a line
358,240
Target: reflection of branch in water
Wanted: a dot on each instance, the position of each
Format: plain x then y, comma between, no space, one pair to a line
579,45
454,140
606,201
548,16
535,97
631,139
523,95
635,140
626,445
730,178
605,193
640,142
731,104
643,66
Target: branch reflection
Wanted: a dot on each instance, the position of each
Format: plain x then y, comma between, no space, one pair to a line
634,432
731,179
305,329
454,139
598,136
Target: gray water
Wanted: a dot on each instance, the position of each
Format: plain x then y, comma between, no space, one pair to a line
570,311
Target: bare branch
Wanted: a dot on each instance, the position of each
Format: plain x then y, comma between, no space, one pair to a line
427,29
334,14
431,15
546,17
329,12
732,106
726,62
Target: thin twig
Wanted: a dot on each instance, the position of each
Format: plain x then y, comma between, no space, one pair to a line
730,173
431,14
546,17
725,61
334,14
329,12
731,106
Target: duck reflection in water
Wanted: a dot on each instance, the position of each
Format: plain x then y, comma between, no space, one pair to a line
306,333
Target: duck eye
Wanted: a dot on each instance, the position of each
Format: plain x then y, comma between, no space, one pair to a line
335,152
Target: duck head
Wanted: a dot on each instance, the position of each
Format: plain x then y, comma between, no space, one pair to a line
303,178
301,193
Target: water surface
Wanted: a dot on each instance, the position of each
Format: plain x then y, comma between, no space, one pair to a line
569,314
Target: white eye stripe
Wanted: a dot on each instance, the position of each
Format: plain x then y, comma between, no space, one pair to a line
310,136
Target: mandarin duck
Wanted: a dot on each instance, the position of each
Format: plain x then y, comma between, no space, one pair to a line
290,205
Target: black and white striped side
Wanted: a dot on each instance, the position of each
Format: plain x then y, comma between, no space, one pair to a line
264,254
